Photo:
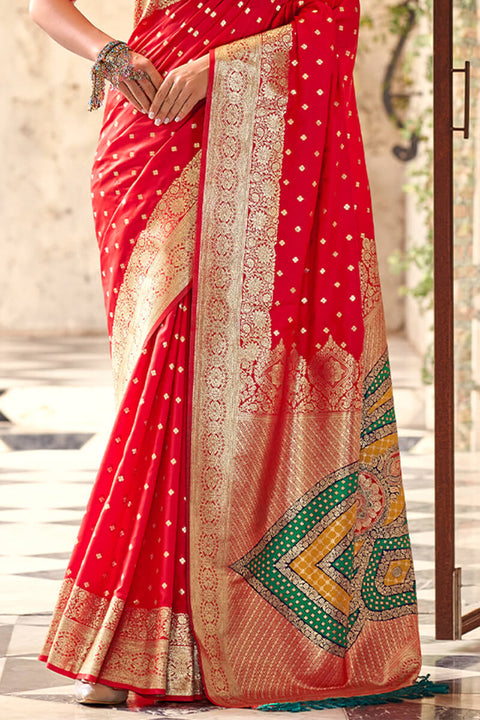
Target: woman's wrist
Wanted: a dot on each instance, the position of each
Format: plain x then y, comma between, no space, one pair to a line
98,43
113,63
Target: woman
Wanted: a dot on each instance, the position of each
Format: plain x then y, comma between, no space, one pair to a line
248,518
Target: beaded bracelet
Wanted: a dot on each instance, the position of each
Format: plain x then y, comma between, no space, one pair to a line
113,64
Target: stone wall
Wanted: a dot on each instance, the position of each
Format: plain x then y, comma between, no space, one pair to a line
49,271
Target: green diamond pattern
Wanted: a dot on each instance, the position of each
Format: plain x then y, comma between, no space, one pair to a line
268,566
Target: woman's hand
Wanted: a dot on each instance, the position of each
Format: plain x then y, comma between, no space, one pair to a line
180,91
69,27
172,97
141,93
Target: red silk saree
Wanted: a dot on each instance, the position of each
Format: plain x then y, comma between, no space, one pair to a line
246,536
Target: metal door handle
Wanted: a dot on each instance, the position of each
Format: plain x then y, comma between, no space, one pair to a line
466,108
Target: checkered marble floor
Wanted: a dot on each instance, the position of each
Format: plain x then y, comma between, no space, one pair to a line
56,407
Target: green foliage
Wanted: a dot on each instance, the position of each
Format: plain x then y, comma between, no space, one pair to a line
399,16
420,256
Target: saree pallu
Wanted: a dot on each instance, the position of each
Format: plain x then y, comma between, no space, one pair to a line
248,518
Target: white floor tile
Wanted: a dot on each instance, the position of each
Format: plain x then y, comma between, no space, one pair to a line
422,538
44,496
17,564
423,495
36,539
440,674
466,646
31,516
63,690
8,619
64,409
47,460
243,714
27,595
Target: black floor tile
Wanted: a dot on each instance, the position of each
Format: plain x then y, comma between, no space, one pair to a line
21,674
43,574
406,442
5,636
45,441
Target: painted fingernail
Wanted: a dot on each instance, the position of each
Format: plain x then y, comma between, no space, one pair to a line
158,122
166,121
151,115
177,119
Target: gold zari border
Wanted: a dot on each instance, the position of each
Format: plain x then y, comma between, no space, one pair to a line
151,649
245,139
160,267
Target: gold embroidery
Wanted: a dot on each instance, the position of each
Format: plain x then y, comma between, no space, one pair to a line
239,439
246,84
331,380
160,267
369,277
143,8
264,205
150,649
397,572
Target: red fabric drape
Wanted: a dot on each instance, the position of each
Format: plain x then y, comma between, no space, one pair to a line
250,494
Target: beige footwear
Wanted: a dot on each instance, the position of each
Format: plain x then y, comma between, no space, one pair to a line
98,694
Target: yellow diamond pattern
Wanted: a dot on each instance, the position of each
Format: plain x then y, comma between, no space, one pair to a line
397,572
306,564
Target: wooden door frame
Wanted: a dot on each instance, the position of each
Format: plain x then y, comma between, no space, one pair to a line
446,622
449,623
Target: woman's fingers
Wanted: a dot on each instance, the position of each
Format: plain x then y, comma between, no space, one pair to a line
125,90
183,105
148,89
166,94
141,92
169,98
151,74
180,91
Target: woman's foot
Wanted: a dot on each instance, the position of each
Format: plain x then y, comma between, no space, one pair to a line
98,694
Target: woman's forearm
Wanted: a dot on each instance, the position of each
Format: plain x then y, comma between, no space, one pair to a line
65,24
164,99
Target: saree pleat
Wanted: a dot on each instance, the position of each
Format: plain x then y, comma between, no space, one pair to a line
122,617
248,517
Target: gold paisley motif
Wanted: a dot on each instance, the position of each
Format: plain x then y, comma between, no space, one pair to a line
330,381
